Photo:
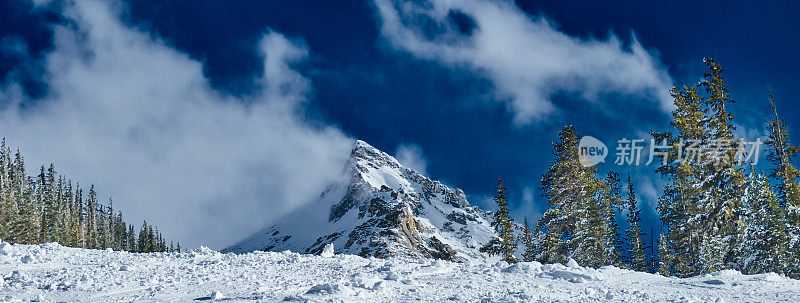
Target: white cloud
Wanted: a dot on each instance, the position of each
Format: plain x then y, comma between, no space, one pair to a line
528,207
526,58
138,119
647,192
410,155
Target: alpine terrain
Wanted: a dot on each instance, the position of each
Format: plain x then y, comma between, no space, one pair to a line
381,209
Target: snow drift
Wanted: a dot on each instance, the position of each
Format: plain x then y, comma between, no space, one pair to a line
50,272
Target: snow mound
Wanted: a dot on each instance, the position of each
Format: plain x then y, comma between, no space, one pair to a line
327,252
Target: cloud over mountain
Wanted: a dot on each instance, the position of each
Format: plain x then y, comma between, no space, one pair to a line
136,117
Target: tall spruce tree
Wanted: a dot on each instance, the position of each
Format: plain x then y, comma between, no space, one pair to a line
783,156
7,198
701,207
766,240
80,223
665,255
505,244
528,242
724,183
92,240
573,225
611,203
633,235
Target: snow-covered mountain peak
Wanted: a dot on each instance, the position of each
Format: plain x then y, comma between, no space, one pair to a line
381,208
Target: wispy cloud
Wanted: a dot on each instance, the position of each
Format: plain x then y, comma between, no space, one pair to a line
526,58
138,119
410,155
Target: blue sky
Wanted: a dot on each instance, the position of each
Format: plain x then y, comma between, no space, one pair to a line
457,89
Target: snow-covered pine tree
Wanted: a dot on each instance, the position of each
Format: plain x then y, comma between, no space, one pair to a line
45,209
528,242
611,203
67,218
703,198
504,244
79,224
590,235
765,240
665,254
7,199
783,156
44,204
712,252
25,227
92,240
573,193
144,241
722,183
131,243
678,206
121,232
111,239
633,235
102,227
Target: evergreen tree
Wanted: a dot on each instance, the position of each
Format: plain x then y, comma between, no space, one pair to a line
44,204
783,156
49,209
664,256
26,224
504,245
576,223
144,241
7,198
92,240
528,242
68,217
723,184
701,207
121,232
612,201
766,239
591,236
131,243
102,228
636,247
80,221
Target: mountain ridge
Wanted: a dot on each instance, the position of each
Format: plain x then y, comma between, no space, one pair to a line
382,209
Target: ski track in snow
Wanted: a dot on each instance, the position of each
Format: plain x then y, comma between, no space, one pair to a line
52,273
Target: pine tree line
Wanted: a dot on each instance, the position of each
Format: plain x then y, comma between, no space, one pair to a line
714,216
49,208
580,221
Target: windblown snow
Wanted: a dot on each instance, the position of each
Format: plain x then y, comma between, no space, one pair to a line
52,273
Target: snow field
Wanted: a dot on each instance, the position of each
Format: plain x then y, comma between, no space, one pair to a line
52,273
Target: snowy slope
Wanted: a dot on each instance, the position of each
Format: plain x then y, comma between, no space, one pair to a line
380,208
51,273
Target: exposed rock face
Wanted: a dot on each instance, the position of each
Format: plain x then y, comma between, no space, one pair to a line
381,209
